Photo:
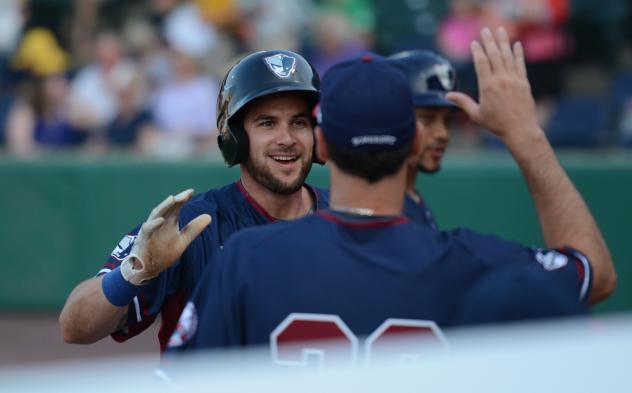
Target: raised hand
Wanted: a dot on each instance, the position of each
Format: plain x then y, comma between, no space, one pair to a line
160,241
506,104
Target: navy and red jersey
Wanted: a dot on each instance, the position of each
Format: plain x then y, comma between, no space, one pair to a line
360,270
231,209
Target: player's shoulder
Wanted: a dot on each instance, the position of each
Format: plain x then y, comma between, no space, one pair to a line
271,235
223,199
486,247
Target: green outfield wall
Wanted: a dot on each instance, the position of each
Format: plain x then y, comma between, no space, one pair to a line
62,216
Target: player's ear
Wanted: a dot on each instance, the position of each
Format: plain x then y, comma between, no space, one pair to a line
415,149
321,147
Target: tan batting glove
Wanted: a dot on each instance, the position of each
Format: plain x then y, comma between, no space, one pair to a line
506,106
160,241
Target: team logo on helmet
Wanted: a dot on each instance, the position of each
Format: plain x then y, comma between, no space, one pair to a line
445,75
283,66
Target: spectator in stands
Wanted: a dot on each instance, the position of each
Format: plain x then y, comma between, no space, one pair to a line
184,111
93,101
134,119
334,41
39,117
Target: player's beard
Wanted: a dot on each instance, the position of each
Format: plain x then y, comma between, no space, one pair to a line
264,176
427,171
424,168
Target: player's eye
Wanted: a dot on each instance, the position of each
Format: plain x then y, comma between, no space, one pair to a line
300,122
266,123
426,119
448,121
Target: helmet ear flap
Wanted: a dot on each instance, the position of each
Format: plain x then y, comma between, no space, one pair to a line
234,144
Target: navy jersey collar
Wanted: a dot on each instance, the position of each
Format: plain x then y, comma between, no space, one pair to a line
315,195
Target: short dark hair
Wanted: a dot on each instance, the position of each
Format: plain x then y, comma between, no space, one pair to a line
371,166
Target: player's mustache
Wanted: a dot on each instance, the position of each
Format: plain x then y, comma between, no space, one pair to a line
437,145
289,152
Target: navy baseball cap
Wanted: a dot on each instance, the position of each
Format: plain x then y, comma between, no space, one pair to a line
366,104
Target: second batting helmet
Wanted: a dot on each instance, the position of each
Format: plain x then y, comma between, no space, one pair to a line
430,76
257,75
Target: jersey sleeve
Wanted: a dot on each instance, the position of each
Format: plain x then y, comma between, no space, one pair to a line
571,267
144,308
120,252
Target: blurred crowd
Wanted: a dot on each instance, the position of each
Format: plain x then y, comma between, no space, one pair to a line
143,76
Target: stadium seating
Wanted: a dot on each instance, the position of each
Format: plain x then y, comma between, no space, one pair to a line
621,102
579,122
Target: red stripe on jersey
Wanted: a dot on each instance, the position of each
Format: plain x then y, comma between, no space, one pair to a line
171,311
110,265
374,223
254,203
580,270
570,252
260,208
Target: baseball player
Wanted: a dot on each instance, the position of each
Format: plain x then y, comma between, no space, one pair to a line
430,77
361,261
266,126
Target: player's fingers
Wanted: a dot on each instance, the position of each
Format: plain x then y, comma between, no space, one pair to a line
466,103
520,62
159,210
492,51
505,48
173,213
195,227
481,62
183,196
150,226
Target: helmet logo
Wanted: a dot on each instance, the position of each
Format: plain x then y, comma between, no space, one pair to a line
283,66
445,75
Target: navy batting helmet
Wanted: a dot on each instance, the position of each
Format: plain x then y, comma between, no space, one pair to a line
430,75
256,75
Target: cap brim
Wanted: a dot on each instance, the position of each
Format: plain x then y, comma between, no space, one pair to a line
435,102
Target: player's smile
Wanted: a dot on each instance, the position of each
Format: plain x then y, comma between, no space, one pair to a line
285,159
286,165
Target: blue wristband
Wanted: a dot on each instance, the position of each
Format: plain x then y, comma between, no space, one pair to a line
117,290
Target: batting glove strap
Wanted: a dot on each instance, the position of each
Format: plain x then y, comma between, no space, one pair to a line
135,276
117,289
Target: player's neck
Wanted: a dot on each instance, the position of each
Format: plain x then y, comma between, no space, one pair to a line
282,207
411,179
382,198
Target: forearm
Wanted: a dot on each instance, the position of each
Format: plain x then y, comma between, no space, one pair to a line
564,216
88,316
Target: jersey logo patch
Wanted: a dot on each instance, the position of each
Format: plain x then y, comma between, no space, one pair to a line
551,259
283,66
187,325
124,247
